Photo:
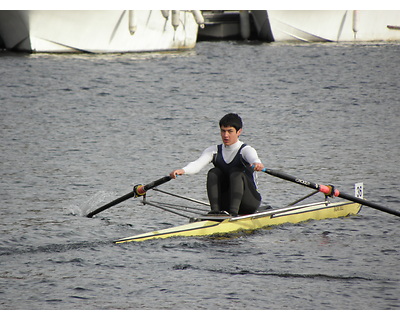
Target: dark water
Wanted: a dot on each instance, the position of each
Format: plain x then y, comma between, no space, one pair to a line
77,131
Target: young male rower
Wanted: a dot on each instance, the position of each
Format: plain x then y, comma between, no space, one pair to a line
231,185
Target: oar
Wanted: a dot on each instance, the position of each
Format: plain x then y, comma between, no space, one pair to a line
330,191
138,191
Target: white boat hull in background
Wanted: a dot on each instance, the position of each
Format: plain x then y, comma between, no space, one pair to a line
334,25
99,31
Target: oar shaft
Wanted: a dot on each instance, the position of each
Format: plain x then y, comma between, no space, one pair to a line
156,183
326,189
138,191
368,203
287,177
112,203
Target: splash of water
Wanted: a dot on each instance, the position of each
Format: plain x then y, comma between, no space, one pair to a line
95,201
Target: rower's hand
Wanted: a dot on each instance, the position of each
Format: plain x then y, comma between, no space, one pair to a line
176,173
257,166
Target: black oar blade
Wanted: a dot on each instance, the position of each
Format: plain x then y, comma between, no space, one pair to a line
332,190
138,191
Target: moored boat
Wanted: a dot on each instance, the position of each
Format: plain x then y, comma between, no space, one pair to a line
98,31
334,25
303,25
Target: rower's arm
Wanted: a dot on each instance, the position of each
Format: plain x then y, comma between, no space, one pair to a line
205,158
250,155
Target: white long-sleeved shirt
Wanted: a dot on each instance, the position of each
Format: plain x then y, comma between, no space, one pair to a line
228,153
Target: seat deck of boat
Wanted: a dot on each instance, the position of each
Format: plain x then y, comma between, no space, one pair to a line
224,216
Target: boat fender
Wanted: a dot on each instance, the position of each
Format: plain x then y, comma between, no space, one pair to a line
199,18
175,19
165,14
355,23
132,22
245,24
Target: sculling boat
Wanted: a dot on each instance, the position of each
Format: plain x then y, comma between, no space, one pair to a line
216,225
207,225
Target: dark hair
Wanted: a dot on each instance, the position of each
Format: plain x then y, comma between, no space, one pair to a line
231,120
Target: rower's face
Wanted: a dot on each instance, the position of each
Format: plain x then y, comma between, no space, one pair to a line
229,135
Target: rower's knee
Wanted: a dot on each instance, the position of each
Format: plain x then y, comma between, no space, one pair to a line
214,172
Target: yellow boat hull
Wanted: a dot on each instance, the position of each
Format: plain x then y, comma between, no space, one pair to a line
256,221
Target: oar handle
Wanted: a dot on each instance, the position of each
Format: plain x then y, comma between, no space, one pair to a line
329,190
138,191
